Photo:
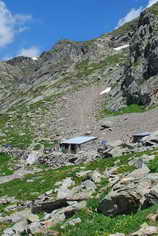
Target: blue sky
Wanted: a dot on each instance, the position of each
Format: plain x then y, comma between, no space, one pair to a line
30,27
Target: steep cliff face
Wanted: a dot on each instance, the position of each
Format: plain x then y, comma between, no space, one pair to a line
140,79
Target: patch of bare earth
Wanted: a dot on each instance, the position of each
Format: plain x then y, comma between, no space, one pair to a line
77,112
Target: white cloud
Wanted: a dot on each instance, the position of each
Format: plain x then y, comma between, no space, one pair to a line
29,52
132,14
10,24
5,58
151,2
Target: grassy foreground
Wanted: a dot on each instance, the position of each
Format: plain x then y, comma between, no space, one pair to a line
92,222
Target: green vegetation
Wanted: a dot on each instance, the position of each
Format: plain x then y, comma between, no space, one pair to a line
130,26
47,143
3,119
96,224
37,147
17,140
102,164
133,108
3,226
125,169
99,225
20,131
6,163
42,182
45,180
85,69
154,9
153,165
92,222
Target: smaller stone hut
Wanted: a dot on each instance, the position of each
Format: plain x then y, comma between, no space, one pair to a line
139,136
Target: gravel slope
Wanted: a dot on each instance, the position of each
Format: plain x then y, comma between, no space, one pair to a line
131,123
77,114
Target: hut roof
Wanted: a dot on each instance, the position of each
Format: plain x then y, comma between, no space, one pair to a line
78,140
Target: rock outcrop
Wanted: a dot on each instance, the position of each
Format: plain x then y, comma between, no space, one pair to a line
140,76
137,190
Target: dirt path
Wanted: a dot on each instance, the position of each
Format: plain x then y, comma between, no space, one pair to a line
77,111
19,174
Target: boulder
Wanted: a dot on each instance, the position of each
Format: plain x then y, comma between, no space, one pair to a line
106,124
142,161
34,228
60,215
117,234
151,140
138,163
146,230
17,229
96,176
83,173
134,191
33,158
114,149
19,216
49,206
89,185
72,222
64,191
153,217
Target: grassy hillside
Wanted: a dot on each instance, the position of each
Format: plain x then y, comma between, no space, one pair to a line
92,222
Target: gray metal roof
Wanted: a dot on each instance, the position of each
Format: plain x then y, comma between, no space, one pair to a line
78,140
142,134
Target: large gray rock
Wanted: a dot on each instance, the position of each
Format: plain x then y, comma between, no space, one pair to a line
80,192
151,140
117,234
35,227
137,190
19,216
89,185
146,230
72,222
106,123
64,190
17,229
114,149
142,161
48,206
32,158
96,176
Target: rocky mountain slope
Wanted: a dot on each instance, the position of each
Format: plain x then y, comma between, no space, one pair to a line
140,79
33,92
108,188
43,98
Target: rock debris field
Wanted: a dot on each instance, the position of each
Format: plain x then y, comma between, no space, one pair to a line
78,114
